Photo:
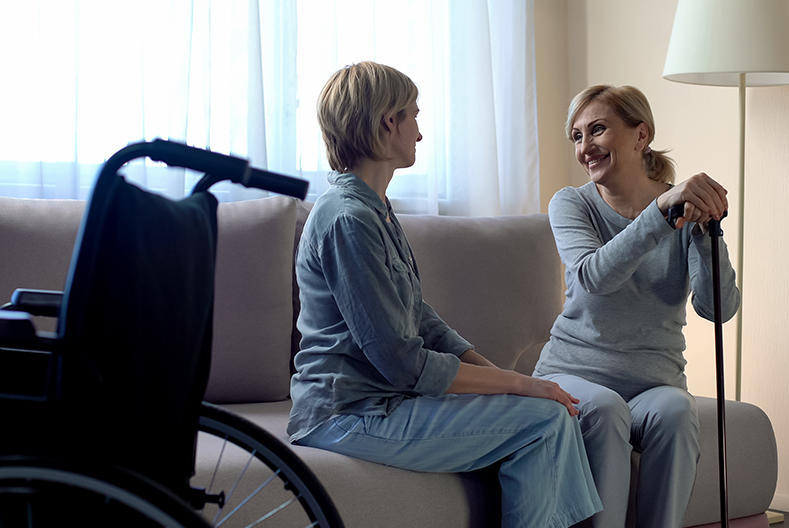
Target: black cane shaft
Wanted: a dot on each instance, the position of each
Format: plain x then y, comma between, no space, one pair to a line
715,234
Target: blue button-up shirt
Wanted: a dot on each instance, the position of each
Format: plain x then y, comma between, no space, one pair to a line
368,338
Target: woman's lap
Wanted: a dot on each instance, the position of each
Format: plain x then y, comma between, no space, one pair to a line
459,432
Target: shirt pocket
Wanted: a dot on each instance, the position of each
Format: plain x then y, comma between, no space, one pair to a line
403,282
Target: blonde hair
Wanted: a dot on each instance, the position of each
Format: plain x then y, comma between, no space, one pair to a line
631,105
351,106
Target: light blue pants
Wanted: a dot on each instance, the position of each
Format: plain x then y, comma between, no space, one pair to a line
544,474
662,424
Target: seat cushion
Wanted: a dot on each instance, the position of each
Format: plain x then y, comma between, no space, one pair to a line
369,494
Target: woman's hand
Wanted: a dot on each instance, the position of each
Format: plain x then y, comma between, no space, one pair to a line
704,199
540,388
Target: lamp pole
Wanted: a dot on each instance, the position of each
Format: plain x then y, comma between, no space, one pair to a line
740,244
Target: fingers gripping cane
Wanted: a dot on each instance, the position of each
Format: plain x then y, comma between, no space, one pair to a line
714,229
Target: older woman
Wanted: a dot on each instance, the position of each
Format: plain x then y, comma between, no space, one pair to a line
379,375
618,343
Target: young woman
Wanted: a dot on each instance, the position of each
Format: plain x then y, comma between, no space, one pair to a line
379,375
618,343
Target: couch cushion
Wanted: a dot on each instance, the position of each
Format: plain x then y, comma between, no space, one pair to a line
369,494
497,281
253,309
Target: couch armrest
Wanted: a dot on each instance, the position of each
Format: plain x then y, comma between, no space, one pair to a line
752,462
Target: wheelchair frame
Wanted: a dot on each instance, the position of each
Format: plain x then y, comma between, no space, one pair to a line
43,489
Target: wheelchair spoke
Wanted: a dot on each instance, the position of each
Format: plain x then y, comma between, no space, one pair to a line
248,498
297,499
229,495
210,486
274,511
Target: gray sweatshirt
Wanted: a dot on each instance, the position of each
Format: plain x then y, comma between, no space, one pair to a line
627,288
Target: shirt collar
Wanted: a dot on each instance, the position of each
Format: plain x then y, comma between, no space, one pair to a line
354,185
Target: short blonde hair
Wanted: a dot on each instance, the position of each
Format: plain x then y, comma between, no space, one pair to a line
631,105
351,106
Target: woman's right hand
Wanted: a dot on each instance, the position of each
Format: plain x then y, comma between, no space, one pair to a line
540,388
704,199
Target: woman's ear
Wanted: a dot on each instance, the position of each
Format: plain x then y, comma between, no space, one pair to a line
388,121
643,136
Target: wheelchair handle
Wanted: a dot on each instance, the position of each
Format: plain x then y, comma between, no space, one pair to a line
217,166
222,166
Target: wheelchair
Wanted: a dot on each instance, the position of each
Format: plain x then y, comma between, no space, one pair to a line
103,418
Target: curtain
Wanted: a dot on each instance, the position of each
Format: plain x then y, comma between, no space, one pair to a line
242,76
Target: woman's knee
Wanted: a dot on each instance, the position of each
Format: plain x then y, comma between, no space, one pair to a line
607,411
673,414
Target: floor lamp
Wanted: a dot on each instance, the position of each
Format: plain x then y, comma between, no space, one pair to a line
731,43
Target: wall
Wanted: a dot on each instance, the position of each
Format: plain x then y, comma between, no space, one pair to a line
624,42
766,284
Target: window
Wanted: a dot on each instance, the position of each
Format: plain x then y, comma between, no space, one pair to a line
243,76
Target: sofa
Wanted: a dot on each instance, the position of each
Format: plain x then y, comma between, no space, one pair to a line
496,280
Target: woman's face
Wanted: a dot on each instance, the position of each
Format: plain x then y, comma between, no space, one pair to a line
605,146
406,137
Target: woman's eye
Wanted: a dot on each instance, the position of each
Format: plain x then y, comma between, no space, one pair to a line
597,129
577,137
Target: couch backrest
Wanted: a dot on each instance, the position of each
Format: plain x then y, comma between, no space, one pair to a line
253,309
496,280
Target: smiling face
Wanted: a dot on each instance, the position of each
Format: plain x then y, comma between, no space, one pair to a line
605,146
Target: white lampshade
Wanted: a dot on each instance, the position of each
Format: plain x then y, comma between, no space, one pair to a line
714,41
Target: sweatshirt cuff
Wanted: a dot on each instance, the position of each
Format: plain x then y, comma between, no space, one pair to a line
657,218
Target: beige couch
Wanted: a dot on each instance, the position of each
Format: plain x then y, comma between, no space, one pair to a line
496,280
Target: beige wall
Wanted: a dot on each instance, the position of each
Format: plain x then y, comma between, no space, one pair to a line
584,42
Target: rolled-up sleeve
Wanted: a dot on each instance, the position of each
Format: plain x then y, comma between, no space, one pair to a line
440,336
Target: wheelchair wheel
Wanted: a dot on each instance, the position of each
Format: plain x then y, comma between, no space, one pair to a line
42,493
264,483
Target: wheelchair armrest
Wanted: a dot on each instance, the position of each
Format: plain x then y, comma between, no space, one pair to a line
35,302
16,327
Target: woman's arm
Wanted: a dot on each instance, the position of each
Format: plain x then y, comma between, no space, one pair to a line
473,358
477,379
601,266
700,271
438,335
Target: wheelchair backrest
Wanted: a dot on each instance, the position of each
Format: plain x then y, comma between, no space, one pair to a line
136,326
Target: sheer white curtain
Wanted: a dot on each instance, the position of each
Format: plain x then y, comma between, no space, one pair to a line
242,76
90,76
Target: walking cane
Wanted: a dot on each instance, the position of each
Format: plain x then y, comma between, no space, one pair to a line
714,229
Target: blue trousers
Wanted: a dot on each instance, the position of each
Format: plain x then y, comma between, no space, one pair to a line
544,474
662,424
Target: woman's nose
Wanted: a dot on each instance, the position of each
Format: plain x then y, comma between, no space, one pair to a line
586,143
